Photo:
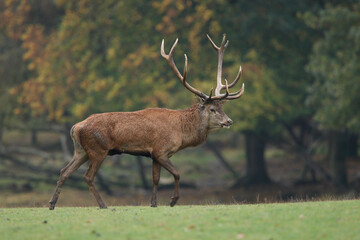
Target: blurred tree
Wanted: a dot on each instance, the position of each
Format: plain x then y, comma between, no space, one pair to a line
334,64
10,55
96,61
257,112
23,28
91,61
89,56
273,37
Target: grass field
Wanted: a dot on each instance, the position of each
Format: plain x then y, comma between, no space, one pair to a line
306,220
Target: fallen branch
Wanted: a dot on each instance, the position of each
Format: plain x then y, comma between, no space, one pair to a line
305,149
54,173
222,159
26,151
42,128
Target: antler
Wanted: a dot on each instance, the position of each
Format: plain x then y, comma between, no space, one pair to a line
219,85
170,60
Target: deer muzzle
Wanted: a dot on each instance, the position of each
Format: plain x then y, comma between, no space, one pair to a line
226,124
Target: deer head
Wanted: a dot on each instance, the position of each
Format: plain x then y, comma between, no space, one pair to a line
211,107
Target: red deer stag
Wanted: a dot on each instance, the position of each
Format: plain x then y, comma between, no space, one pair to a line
157,133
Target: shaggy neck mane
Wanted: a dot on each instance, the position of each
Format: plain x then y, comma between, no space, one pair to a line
195,128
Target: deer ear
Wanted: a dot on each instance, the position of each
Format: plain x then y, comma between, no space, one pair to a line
201,103
223,102
200,100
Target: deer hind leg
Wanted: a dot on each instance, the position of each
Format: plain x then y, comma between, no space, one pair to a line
79,158
165,162
95,163
156,169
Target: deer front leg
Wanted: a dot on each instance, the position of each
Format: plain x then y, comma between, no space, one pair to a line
165,162
156,169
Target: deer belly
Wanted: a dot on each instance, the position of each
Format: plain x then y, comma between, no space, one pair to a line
132,150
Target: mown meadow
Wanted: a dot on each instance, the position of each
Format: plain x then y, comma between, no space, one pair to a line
302,220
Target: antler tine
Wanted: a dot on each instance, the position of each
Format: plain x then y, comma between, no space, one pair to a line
237,94
170,60
211,91
238,76
185,70
212,43
223,96
222,42
219,85
227,89
167,56
220,50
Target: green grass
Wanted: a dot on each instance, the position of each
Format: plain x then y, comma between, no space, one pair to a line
309,220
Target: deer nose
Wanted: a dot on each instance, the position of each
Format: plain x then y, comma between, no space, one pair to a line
229,122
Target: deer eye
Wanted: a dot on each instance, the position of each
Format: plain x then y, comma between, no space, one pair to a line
212,110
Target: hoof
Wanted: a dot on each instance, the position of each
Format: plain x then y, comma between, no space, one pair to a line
173,201
153,205
52,207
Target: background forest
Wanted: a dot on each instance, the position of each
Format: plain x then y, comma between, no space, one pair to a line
296,129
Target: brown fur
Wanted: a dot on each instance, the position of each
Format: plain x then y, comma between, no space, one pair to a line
157,133
149,131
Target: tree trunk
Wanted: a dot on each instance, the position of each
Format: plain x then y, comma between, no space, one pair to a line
255,163
104,186
66,142
337,154
2,116
141,168
34,137
69,142
353,145
222,159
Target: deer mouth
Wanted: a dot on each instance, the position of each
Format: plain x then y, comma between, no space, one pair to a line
225,125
